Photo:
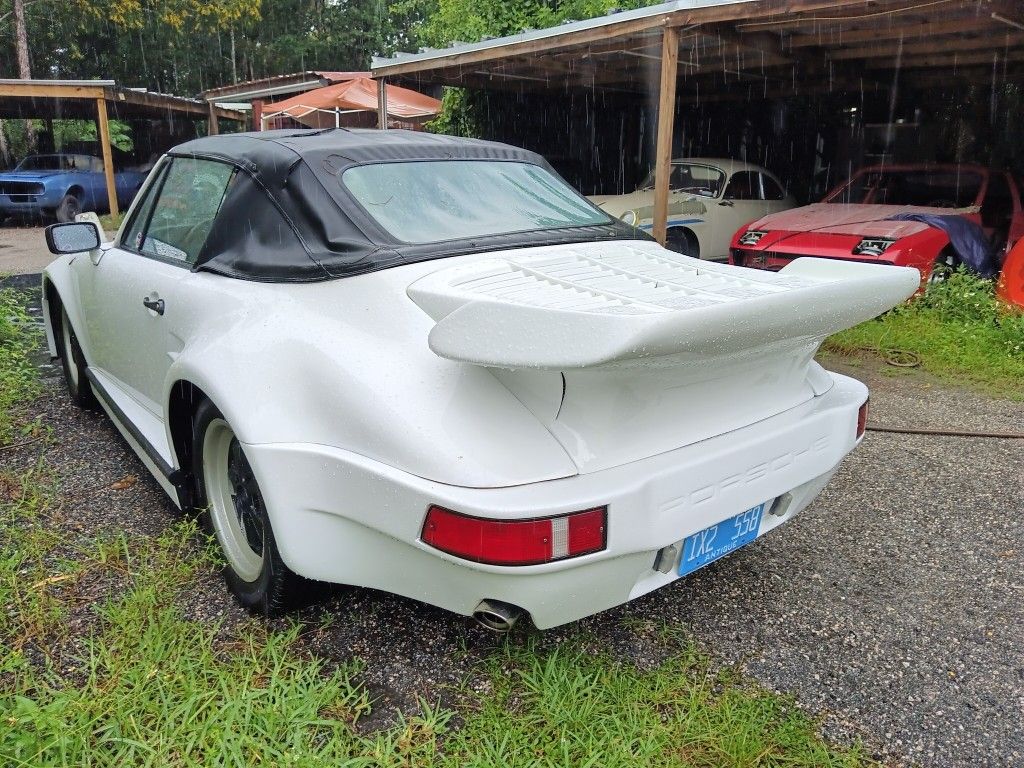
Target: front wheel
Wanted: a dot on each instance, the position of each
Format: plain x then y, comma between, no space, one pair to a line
945,265
72,361
69,207
232,509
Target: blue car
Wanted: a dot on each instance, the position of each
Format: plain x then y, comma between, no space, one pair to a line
62,185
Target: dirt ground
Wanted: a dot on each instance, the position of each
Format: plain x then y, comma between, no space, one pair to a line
22,250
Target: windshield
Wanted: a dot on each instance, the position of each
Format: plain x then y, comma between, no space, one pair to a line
933,188
703,180
55,163
424,202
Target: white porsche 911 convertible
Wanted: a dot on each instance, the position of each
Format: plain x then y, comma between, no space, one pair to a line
426,365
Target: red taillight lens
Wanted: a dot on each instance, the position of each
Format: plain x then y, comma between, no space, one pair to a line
862,418
515,542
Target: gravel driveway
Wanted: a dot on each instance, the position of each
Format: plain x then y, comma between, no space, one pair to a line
893,606
22,249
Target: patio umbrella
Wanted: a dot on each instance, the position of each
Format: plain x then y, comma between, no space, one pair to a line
337,104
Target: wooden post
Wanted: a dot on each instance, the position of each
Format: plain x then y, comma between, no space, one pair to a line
212,128
666,125
257,114
382,104
108,155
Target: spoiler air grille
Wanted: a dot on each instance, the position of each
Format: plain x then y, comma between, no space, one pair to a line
630,280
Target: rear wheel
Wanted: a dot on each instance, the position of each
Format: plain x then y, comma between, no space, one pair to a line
233,510
73,362
69,207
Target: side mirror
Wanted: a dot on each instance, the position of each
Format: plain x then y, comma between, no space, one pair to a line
73,237
727,202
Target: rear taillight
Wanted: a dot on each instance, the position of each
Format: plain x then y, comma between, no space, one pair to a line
516,542
862,419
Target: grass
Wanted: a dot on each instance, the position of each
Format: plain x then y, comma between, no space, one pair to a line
102,665
18,379
110,222
575,707
958,331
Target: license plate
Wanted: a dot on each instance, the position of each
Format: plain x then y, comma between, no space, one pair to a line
720,539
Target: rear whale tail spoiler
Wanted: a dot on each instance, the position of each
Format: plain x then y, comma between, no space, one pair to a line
575,307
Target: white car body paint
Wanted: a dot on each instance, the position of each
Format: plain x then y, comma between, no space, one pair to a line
678,397
712,220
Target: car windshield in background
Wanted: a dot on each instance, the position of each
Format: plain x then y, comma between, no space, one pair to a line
703,180
940,189
424,202
55,163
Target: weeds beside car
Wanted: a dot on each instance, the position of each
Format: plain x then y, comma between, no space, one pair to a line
19,381
957,329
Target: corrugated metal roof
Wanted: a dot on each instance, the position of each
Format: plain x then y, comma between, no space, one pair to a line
380,64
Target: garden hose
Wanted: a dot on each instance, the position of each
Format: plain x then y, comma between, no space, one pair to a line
944,432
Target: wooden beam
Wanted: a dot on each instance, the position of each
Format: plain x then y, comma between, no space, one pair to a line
666,125
947,45
890,30
382,104
108,155
212,129
48,90
947,60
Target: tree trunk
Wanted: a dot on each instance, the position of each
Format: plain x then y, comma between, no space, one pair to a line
234,68
24,66
21,40
5,150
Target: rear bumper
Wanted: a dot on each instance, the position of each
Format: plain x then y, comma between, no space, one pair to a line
344,518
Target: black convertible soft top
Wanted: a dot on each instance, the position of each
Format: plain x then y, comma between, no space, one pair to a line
287,218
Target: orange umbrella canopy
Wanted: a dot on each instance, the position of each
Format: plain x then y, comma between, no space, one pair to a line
321,108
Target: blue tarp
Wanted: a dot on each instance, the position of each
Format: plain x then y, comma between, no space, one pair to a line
967,238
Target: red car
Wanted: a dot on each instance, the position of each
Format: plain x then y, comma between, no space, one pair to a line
852,223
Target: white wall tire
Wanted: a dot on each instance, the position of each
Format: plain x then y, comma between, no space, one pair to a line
232,509
232,506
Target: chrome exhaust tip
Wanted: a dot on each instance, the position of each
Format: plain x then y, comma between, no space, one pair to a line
497,616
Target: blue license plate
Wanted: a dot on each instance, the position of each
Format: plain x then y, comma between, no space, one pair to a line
720,539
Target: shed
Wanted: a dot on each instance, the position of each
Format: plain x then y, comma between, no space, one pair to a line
99,100
691,51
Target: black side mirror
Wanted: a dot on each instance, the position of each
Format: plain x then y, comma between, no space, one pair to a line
73,237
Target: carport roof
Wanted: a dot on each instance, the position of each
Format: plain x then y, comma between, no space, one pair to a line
799,46
76,99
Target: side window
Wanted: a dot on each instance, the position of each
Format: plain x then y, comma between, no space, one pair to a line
190,196
772,191
743,186
132,239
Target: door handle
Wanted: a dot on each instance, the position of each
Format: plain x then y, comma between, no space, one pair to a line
157,305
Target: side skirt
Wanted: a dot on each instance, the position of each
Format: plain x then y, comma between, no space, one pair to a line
172,480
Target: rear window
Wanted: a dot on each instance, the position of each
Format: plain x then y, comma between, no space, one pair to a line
941,189
427,202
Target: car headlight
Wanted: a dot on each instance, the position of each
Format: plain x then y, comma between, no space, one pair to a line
872,246
752,237
629,217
